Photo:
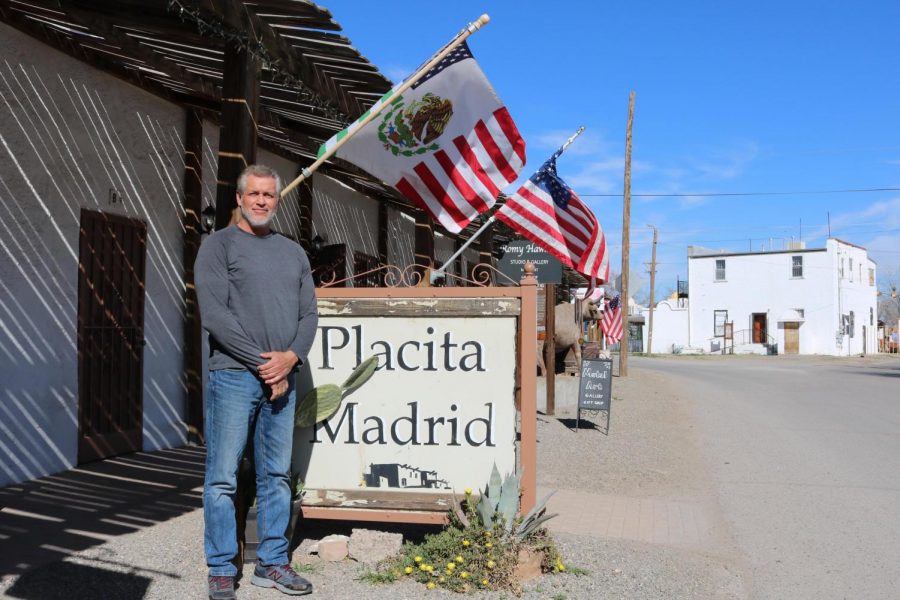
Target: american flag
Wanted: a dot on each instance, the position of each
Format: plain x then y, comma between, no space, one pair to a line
448,144
611,322
549,213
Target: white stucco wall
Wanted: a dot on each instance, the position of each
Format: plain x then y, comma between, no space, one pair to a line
670,326
444,247
343,215
763,282
854,292
69,134
401,239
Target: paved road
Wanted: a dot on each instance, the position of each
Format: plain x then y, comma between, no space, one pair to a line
804,454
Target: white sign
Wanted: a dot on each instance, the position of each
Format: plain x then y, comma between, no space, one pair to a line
435,416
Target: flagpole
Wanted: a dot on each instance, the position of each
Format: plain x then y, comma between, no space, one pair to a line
571,139
436,274
462,36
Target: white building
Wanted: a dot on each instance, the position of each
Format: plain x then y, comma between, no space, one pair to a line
670,326
807,301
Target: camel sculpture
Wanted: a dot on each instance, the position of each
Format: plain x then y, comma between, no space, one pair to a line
567,332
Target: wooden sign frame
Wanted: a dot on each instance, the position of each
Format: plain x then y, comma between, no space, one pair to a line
372,504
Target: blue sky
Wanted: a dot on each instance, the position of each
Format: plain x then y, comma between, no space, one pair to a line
763,96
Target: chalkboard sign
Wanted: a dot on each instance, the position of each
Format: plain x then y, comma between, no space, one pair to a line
595,391
596,384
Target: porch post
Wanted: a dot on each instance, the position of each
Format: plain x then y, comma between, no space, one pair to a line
237,137
193,337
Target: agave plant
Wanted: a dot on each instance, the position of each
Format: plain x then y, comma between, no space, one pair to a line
499,504
323,400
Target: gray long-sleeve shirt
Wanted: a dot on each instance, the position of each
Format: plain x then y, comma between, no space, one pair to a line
256,295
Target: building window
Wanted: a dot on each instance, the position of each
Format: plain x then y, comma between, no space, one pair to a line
851,269
842,268
796,266
720,317
871,277
720,269
852,325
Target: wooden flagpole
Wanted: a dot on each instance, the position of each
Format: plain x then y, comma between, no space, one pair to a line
459,39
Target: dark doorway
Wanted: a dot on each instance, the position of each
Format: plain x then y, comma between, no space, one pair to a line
112,254
759,328
329,265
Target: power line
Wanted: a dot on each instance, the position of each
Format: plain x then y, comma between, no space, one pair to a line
725,194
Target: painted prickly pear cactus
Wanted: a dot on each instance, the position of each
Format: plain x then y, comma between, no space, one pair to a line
323,400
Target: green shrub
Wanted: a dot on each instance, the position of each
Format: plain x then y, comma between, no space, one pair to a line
479,548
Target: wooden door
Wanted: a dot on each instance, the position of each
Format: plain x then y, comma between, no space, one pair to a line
759,328
112,252
792,338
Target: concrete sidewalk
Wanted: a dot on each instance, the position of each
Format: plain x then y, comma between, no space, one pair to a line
650,520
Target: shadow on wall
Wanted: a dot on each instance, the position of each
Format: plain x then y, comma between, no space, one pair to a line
66,143
46,520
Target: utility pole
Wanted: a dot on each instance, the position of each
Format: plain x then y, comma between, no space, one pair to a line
626,221
652,283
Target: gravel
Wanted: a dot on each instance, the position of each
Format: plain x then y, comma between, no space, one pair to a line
649,451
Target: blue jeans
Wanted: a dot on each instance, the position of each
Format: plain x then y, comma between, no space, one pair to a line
237,404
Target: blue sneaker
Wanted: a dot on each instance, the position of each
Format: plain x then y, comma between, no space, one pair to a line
221,587
283,578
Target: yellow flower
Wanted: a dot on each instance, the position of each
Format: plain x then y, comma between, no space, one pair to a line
562,567
430,568
423,567
459,559
418,559
408,570
464,574
442,579
490,564
487,534
430,585
468,491
451,566
466,543
488,545
484,582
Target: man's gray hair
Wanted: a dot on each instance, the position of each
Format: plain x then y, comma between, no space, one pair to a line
258,171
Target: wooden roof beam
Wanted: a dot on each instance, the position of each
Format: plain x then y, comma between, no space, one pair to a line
238,16
136,50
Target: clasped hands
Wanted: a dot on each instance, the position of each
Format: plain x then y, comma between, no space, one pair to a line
274,372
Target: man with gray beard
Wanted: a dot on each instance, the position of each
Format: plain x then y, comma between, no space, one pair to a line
257,301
